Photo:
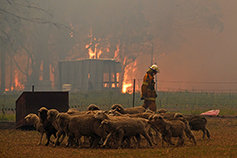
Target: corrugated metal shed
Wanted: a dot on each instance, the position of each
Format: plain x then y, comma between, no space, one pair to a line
31,102
90,74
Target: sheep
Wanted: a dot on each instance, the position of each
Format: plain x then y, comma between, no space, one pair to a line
80,125
74,111
197,123
162,110
168,129
101,115
35,120
126,127
93,107
122,110
90,109
145,114
51,117
48,127
181,117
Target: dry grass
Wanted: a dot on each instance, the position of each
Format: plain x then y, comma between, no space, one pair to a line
223,143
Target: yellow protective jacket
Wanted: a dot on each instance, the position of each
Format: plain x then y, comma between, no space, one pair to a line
148,91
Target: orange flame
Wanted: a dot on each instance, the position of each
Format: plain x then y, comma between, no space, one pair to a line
96,54
18,85
116,52
128,83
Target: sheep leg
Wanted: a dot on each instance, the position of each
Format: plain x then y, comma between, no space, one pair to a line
138,137
147,138
180,141
128,140
152,136
64,135
95,141
69,140
204,133
190,134
40,139
48,138
58,135
120,137
208,134
167,139
78,139
107,137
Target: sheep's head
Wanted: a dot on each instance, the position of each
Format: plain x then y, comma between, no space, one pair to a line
114,113
93,107
155,119
51,115
62,119
30,118
118,107
105,125
101,115
42,113
178,115
162,110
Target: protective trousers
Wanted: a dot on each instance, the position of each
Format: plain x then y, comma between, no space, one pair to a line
149,104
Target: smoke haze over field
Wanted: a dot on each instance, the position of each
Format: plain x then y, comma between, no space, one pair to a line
207,57
193,42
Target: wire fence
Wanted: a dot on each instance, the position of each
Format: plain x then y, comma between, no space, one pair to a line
161,85
168,100
172,98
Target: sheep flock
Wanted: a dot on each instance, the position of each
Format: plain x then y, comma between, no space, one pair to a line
118,127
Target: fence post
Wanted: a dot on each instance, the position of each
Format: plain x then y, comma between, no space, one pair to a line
134,81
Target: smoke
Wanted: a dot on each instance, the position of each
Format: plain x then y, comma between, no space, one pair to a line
205,58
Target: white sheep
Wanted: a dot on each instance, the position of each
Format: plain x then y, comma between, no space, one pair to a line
51,117
35,120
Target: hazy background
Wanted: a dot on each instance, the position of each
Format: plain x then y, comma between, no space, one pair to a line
206,57
194,42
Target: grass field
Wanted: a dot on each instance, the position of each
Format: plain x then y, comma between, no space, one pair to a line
105,99
223,143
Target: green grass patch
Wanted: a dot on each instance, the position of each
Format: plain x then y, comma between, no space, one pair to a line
8,117
185,102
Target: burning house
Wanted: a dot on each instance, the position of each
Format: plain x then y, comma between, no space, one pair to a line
90,74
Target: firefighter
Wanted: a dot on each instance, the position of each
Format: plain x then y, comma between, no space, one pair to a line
148,92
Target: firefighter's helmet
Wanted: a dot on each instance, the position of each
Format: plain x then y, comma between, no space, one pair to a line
155,68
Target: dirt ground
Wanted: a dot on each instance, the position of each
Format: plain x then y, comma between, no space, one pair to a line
223,143
7,125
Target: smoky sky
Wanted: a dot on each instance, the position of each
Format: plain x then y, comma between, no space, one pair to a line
194,42
205,61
